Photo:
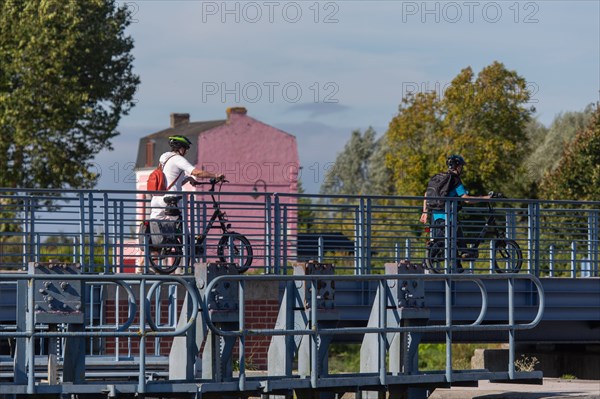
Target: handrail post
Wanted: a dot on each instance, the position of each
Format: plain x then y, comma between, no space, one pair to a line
511,331
122,234
448,305
358,242
142,344
363,244
314,349
204,223
593,242
320,249
533,238
242,341
492,255
82,232
277,236
106,234
268,236
30,327
452,217
368,218
573,259
91,232
382,335
285,238
551,259
189,236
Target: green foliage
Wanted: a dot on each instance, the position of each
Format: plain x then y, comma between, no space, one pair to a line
66,79
433,356
577,174
306,216
344,358
547,145
359,169
482,117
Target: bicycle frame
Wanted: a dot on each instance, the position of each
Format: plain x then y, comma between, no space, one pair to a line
489,227
217,214
231,246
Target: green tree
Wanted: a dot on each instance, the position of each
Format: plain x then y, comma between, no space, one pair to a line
483,117
549,143
380,176
577,172
66,79
306,216
356,169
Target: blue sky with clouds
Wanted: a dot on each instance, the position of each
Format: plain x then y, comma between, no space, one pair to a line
319,70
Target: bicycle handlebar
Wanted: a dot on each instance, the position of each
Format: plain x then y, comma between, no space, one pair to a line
211,182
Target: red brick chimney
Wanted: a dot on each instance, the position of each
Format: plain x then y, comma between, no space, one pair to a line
236,111
179,119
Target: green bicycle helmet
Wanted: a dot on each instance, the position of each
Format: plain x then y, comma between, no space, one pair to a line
179,141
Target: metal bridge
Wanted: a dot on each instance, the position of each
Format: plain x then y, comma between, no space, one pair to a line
359,259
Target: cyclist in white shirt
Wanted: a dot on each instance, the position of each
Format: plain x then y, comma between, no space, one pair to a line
177,171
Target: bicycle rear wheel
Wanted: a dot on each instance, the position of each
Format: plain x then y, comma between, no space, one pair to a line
509,257
435,256
234,247
168,258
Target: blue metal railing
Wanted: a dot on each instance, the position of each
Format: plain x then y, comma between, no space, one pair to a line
385,301
138,308
99,229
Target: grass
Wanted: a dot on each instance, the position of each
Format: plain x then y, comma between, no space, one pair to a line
346,357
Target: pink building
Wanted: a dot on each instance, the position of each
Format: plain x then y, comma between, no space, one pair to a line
256,158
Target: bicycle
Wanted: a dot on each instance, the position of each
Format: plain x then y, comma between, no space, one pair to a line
508,257
231,246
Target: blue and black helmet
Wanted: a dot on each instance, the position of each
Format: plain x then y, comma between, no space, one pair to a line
455,161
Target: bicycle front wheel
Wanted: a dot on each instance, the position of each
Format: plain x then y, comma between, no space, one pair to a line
234,247
509,257
168,258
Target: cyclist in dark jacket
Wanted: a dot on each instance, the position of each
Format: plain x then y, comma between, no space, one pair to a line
455,165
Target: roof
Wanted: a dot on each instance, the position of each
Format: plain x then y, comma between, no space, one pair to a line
161,143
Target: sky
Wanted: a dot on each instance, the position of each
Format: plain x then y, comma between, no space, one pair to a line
322,69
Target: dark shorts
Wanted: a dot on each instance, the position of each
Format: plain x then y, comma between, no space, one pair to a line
439,232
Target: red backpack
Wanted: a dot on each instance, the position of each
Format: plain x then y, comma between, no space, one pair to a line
157,180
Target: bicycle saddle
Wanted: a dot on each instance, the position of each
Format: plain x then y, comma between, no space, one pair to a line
172,199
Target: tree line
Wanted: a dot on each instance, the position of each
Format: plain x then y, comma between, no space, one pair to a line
487,118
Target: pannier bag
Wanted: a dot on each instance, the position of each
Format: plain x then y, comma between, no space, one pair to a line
160,233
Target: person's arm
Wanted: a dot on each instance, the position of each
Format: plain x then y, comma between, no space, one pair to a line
470,199
423,218
202,174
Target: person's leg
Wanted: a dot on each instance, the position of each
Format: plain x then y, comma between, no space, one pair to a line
439,229
461,246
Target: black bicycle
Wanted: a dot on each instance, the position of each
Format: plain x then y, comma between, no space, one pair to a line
508,257
232,246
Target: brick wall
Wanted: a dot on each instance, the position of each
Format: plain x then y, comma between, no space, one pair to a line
261,309
260,314
130,346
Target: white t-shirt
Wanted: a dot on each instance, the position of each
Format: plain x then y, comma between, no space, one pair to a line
172,169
